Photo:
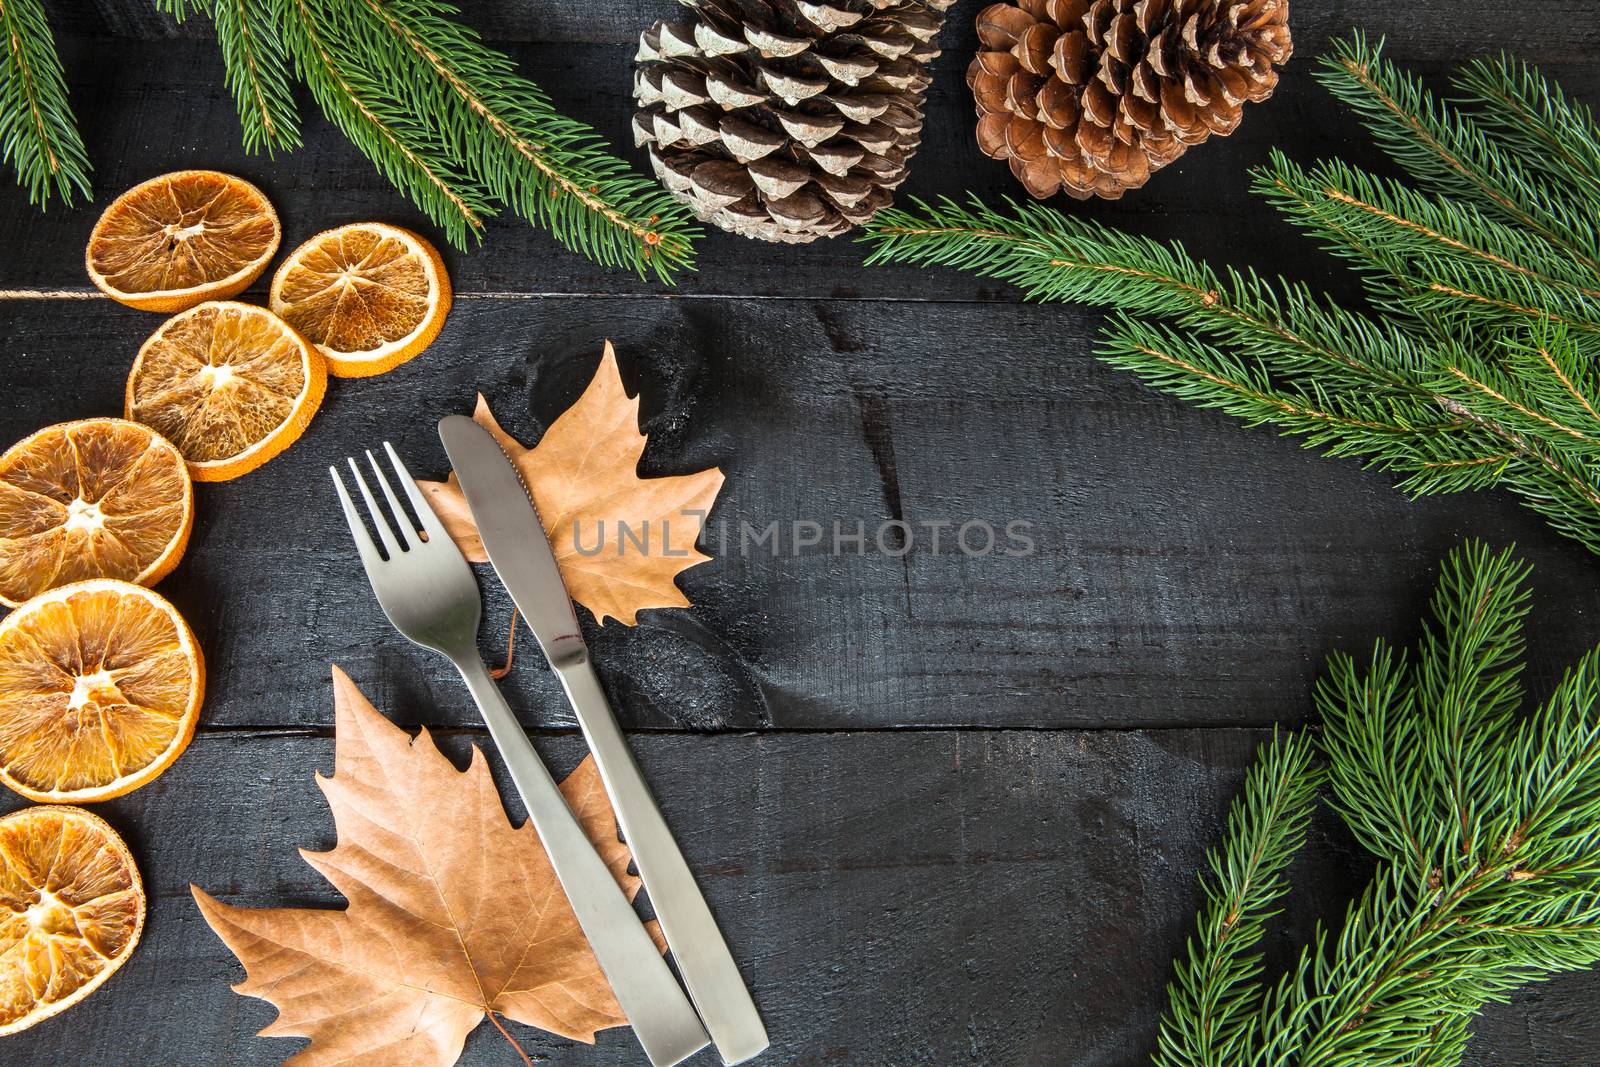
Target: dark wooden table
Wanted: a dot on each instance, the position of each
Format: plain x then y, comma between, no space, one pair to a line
949,809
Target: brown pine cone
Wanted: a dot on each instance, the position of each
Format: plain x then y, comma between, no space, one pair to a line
1092,96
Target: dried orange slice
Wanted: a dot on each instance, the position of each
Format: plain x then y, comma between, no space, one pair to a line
98,498
71,911
230,384
368,295
173,241
100,690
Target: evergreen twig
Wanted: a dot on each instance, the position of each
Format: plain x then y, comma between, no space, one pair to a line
1216,992
256,67
38,134
452,123
1486,826
445,118
1476,364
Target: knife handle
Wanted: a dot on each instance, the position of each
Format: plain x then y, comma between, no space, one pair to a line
697,944
661,1016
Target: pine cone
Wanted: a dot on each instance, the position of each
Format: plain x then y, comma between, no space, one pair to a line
786,120
1092,96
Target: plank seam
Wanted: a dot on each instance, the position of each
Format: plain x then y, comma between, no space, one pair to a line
87,293
266,731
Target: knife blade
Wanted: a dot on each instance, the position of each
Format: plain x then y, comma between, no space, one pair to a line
513,536
519,549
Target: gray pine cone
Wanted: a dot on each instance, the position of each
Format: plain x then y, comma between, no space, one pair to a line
786,120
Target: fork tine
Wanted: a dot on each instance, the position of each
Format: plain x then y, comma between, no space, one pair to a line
419,501
404,529
358,529
384,532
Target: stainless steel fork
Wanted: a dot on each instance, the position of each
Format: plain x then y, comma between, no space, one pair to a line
428,592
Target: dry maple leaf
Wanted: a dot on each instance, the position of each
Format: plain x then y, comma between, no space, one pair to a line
453,914
584,476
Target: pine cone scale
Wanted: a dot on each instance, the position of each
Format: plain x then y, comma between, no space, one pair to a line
1091,97
786,120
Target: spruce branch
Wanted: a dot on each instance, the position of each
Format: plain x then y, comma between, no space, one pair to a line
1449,152
447,120
352,92
38,133
1553,133
550,169
1476,365
257,69
1217,988
1432,256
1371,733
1487,830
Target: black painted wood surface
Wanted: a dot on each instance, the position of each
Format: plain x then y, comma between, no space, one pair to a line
949,808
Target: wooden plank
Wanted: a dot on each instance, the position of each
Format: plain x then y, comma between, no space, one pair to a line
1423,27
151,107
938,898
1186,571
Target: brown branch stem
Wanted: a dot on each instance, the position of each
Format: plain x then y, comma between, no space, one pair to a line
511,648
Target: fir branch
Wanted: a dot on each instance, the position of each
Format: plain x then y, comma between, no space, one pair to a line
1467,688
552,170
1052,256
1216,990
256,67
1552,133
447,120
38,133
1478,367
1449,152
1488,833
1393,434
1432,256
354,96
1371,734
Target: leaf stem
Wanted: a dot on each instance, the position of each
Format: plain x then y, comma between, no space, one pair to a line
493,1018
511,648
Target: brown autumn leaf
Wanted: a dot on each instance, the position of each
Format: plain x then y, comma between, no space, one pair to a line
453,914
584,476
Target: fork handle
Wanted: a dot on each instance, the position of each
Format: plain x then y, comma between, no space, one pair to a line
661,1016
697,945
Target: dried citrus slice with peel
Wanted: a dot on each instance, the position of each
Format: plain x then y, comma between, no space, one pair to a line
370,296
98,498
173,241
71,910
100,690
230,385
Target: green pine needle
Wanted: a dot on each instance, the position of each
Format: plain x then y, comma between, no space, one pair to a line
256,69
38,134
1487,830
446,119
1476,365
1216,991
1451,152
512,142
452,124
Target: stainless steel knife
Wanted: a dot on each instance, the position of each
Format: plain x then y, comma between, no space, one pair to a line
516,544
